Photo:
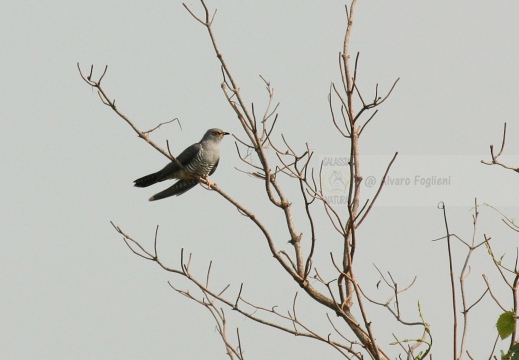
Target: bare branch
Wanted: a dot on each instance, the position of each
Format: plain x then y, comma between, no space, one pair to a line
494,157
163,123
111,103
441,206
382,182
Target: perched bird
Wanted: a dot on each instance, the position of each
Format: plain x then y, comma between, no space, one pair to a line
197,161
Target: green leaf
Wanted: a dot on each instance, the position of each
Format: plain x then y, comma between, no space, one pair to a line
506,324
515,352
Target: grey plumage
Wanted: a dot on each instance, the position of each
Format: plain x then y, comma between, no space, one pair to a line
197,161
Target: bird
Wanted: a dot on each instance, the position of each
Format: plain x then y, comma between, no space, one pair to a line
194,163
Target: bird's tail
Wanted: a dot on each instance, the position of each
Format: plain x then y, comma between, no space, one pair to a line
147,180
177,189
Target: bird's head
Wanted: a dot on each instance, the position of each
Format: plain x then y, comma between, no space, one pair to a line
214,135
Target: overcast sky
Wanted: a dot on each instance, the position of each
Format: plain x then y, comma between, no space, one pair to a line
71,289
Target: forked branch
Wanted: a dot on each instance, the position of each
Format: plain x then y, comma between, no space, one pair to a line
495,157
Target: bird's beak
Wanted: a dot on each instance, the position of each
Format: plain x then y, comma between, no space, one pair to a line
226,133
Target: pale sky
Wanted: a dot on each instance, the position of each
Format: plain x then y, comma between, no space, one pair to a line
71,289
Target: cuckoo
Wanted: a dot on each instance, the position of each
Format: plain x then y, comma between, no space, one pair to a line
197,161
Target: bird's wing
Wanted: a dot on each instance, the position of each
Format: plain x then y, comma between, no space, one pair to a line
177,189
186,156
189,154
214,167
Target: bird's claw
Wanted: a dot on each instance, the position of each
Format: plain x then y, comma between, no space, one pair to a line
207,182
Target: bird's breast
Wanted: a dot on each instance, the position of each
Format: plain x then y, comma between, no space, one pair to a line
201,165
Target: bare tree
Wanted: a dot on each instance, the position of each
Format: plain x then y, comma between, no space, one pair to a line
351,110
